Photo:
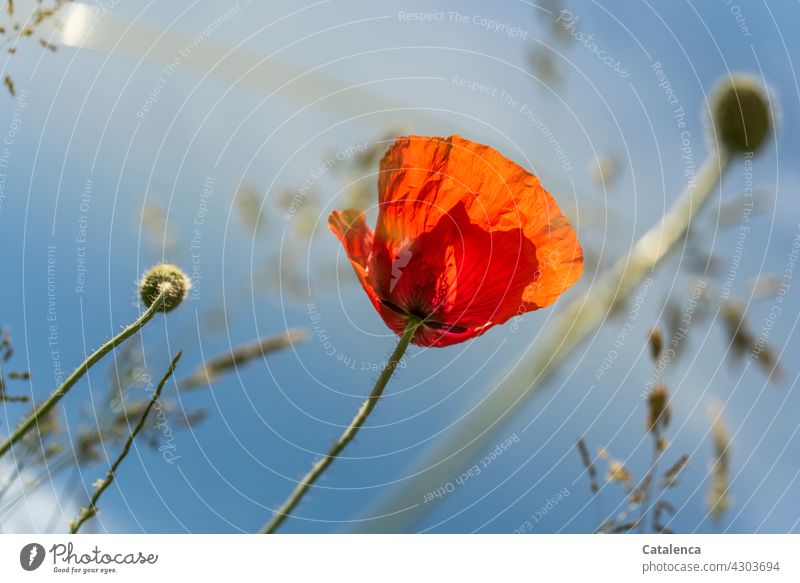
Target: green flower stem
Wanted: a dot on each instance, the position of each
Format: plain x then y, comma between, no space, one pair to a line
366,408
43,409
91,510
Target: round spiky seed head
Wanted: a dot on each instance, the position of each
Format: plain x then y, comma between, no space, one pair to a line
742,117
160,277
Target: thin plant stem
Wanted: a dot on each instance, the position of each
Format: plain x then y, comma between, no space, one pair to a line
650,477
43,409
358,421
91,510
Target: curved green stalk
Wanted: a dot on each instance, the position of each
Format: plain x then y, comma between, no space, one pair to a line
366,408
43,409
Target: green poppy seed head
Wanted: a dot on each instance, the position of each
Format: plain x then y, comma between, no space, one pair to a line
160,277
742,116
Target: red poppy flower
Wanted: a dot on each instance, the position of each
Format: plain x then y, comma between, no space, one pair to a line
465,240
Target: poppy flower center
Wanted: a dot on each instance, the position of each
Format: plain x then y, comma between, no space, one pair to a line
425,318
